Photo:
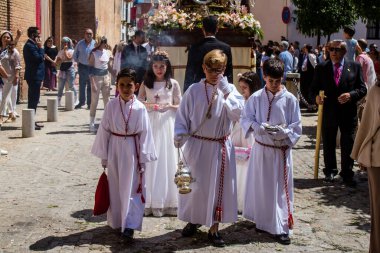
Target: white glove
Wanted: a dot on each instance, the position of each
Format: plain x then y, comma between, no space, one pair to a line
142,169
104,163
259,130
281,134
223,85
178,141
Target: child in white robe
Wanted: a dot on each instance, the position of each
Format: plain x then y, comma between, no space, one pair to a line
124,143
248,83
161,95
274,117
204,121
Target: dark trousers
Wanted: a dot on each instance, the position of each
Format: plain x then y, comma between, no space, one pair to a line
347,128
33,93
84,84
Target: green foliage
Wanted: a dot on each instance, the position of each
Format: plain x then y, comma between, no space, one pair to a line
324,17
368,9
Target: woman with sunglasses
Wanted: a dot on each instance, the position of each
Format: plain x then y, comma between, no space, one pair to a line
51,52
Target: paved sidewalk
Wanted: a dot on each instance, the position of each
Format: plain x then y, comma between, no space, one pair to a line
47,186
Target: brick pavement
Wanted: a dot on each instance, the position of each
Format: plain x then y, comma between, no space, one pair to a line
47,190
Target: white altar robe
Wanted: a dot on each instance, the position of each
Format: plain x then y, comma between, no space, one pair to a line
126,208
204,157
265,198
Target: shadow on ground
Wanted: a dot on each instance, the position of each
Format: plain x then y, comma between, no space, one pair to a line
242,232
86,215
338,195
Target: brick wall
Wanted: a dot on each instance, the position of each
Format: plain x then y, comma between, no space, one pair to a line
76,16
18,14
3,15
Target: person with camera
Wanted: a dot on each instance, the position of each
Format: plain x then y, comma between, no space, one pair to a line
34,57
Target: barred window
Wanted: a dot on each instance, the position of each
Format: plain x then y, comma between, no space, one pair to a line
373,29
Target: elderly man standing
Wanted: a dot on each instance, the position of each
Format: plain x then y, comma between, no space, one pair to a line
81,55
34,68
342,81
286,57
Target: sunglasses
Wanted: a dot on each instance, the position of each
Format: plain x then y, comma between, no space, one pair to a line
336,49
215,70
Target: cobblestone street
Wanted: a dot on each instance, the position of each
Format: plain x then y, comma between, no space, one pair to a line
47,186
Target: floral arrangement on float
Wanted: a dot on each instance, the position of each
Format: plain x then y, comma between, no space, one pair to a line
184,16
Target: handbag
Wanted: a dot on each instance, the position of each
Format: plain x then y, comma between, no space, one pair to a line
65,65
102,196
242,153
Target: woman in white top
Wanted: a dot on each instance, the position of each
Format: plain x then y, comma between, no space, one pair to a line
10,60
99,61
66,68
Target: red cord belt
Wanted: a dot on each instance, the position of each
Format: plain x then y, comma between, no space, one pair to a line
283,150
136,138
222,141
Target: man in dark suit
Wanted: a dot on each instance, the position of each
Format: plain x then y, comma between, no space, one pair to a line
194,72
135,56
343,83
34,68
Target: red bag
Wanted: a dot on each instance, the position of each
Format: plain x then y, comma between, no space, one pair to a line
102,196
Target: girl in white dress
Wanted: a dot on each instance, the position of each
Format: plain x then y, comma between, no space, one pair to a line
249,83
161,95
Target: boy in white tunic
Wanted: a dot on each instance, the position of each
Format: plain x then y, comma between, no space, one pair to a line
124,143
274,117
204,121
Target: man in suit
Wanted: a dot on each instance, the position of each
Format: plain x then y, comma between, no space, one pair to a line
34,68
194,72
343,83
135,56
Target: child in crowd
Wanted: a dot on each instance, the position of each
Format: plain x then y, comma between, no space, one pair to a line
124,143
348,34
249,82
273,115
204,121
161,95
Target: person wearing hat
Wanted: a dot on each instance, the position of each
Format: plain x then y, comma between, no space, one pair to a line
286,57
348,33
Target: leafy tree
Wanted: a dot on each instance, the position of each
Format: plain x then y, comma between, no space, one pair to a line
368,9
324,17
